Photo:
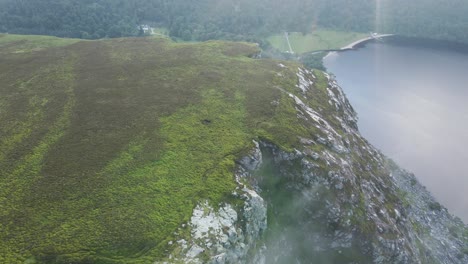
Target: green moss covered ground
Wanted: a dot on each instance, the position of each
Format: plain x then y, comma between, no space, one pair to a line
107,146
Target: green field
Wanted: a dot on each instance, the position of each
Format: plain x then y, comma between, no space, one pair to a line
319,40
160,31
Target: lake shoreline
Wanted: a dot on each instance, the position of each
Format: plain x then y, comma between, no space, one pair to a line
355,44
400,40
410,96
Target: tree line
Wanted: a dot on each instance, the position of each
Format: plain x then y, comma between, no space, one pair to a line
234,19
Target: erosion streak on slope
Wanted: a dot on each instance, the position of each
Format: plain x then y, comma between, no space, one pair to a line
15,184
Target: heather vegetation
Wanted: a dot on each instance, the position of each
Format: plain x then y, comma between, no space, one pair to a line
107,146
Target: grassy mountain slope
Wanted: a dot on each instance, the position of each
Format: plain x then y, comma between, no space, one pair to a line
107,146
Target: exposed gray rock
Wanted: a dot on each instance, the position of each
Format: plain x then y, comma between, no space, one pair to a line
343,201
228,234
334,199
437,235
304,83
252,161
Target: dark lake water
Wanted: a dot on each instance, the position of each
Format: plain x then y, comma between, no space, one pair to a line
412,101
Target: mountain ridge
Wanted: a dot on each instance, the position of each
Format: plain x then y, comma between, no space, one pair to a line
114,151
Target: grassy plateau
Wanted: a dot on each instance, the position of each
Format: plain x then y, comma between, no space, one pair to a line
107,146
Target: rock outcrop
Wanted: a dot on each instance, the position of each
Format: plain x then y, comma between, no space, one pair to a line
228,234
336,199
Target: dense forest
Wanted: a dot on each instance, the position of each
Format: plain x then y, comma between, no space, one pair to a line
233,19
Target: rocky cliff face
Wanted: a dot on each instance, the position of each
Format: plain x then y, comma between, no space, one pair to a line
335,199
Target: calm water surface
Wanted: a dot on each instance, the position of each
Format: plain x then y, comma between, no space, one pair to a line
412,102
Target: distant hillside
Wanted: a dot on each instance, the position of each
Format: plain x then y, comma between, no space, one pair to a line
234,20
